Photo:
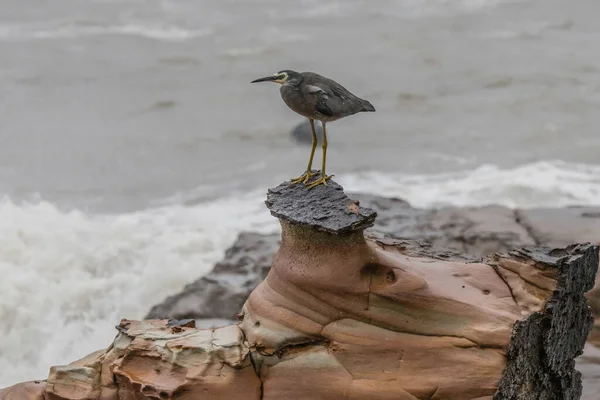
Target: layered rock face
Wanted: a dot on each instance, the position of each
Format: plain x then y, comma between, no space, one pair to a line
344,315
472,230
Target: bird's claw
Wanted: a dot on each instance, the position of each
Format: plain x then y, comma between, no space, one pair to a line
321,181
304,178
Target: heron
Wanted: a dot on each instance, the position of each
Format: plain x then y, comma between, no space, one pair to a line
316,98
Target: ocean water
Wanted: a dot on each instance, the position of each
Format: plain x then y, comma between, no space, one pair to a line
133,148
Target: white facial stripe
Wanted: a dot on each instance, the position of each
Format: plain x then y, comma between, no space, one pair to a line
285,76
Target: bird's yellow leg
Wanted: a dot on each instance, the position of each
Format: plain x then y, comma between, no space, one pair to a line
308,174
324,177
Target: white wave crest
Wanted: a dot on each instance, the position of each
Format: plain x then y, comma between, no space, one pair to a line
426,8
540,184
69,277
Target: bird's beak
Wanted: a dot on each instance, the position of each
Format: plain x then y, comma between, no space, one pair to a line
272,78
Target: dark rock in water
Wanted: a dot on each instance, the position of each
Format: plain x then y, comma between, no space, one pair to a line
561,227
302,133
472,230
222,292
421,248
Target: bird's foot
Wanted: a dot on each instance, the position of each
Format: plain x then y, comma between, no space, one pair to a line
321,181
305,177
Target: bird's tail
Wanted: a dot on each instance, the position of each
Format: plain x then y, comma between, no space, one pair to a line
367,106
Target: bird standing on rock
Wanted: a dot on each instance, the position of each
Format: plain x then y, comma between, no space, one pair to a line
316,98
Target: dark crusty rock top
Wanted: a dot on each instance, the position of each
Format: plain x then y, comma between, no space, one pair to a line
324,208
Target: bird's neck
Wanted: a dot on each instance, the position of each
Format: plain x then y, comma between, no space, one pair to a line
287,87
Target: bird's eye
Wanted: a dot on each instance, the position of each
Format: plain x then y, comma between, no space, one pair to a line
282,77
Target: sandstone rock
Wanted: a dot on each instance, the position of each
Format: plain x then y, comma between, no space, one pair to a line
472,230
33,390
222,292
341,315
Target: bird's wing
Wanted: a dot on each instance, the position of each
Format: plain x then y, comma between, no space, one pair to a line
322,92
324,101
327,85
332,99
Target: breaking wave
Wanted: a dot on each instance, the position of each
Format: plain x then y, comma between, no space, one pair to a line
540,184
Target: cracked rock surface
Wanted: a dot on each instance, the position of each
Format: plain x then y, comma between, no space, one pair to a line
348,315
324,208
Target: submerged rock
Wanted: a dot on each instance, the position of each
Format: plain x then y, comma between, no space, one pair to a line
222,292
302,132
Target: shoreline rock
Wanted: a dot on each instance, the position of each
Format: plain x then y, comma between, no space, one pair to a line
478,231
344,314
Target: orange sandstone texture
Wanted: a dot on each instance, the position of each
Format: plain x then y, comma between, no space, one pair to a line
154,360
387,321
24,391
344,316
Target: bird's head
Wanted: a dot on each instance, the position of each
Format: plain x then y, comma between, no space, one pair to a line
285,77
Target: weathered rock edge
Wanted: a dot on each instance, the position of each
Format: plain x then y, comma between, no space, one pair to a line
543,348
324,208
341,316
479,231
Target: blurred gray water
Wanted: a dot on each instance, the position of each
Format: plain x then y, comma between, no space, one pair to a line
113,104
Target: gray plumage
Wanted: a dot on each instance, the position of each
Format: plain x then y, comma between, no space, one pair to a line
317,98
